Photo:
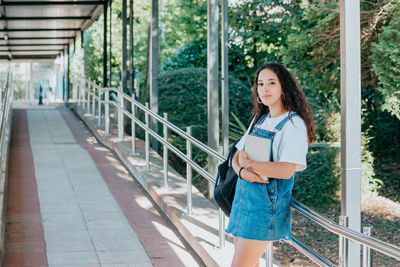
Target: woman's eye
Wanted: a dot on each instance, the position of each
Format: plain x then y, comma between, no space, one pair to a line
272,83
260,84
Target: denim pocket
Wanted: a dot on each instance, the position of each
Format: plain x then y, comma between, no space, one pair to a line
267,196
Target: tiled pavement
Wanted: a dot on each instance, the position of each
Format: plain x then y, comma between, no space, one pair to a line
92,213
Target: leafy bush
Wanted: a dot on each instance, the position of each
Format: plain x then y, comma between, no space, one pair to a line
319,184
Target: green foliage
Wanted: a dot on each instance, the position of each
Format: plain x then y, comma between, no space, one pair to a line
183,95
386,64
318,185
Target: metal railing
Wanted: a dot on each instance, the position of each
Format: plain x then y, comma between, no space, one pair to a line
5,123
91,94
5,136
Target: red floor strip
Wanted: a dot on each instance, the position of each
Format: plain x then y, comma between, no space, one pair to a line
24,243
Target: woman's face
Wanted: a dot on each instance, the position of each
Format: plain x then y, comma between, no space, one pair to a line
269,89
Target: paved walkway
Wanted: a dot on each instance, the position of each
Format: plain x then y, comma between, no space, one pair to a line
71,203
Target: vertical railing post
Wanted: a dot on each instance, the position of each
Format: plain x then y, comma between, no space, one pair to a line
78,89
189,173
165,153
120,116
107,112
367,257
94,101
343,248
99,107
88,96
133,127
146,139
221,220
221,229
268,254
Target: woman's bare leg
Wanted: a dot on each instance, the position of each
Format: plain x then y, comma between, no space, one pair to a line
248,252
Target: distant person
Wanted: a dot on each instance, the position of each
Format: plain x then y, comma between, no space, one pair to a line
40,96
284,125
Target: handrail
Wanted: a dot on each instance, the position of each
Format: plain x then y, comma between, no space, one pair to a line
318,259
333,227
199,169
183,134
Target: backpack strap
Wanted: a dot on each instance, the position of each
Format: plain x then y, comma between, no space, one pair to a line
283,122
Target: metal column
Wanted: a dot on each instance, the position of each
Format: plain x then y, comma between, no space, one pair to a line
110,55
212,86
68,87
131,86
105,83
124,52
350,90
154,67
225,76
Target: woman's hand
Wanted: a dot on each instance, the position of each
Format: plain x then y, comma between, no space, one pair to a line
243,159
252,177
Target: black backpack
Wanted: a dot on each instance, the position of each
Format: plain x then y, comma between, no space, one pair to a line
225,184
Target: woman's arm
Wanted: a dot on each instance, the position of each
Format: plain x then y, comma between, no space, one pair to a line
244,174
282,170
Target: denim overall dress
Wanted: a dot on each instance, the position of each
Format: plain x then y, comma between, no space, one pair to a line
261,211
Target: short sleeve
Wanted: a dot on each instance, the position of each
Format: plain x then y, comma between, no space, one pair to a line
293,145
242,141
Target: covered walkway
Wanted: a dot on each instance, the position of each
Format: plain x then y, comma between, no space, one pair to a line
71,202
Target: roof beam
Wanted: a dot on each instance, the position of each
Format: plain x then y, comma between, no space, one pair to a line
31,50
40,30
52,3
47,18
41,38
28,57
63,44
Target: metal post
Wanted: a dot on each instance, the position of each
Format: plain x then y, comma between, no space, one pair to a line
225,76
110,54
343,243
367,257
165,154
78,88
68,67
107,112
124,52
221,220
154,68
94,101
189,174
350,91
146,140
105,45
133,129
212,87
268,254
99,107
88,96
120,116
131,87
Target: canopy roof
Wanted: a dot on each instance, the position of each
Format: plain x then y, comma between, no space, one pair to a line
41,29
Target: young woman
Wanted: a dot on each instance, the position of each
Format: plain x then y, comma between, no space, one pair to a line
260,210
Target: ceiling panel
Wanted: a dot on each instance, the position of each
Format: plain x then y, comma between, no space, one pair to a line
38,34
48,11
28,24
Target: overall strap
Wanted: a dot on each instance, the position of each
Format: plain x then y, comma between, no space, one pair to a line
262,119
283,122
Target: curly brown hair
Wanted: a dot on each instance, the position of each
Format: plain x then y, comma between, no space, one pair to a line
294,99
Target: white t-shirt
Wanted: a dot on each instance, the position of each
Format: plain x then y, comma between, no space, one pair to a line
290,143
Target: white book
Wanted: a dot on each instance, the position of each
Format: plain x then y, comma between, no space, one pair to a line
258,149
